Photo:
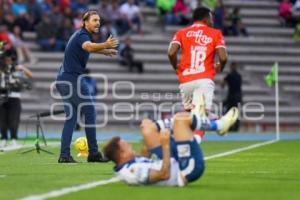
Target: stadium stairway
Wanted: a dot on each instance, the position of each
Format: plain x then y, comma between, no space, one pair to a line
156,90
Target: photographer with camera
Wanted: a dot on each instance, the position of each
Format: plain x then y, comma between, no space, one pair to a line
13,79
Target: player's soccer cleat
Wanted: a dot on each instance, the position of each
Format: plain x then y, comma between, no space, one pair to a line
66,160
96,158
228,120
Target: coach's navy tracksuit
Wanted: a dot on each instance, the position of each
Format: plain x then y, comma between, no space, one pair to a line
73,66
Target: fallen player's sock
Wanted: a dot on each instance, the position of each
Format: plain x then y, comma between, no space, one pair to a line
164,124
203,123
198,123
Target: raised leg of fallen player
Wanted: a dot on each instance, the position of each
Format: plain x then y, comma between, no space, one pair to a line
181,125
185,123
197,122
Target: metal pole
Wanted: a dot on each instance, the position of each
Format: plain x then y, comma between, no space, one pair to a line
277,103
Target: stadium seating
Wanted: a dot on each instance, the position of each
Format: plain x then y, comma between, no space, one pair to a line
268,42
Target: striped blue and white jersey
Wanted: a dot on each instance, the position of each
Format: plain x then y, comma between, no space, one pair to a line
136,172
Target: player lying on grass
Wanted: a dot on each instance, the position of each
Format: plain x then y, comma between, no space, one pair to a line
179,159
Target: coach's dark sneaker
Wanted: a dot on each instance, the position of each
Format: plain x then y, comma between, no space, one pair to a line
66,160
96,158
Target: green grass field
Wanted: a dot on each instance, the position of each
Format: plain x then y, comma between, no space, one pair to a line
269,172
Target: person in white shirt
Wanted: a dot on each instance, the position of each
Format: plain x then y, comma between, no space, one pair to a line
166,160
132,14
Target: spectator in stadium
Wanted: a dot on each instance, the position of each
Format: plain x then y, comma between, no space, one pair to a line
23,52
105,9
117,19
46,6
133,16
211,4
79,6
181,13
35,12
107,30
46,35
9,20
286,13
56,16
219,15
234,97
164,8
237,27
179,159
64,4
68,13
20,10
65,30
10,110
77,20
127,57
5,37
296,6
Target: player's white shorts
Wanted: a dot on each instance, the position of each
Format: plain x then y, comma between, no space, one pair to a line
192,91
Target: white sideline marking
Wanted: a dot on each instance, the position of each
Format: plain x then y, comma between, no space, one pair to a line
57,193
20,146
63,191
12,148
227,153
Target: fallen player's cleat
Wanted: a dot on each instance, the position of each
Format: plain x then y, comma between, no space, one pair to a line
228,120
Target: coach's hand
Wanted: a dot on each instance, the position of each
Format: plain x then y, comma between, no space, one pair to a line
164,137
111,42
110,52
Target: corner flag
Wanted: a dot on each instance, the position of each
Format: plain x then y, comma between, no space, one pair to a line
272,76
270,79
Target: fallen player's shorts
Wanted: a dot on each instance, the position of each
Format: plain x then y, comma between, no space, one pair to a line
188,155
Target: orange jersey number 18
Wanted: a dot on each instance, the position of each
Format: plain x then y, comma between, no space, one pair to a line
198,56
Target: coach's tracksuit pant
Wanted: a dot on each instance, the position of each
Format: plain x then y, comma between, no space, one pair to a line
68,87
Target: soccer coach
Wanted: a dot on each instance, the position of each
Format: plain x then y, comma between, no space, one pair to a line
76,56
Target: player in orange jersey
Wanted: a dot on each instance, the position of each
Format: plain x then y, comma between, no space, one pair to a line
199,43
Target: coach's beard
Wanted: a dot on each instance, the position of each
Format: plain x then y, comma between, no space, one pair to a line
96,30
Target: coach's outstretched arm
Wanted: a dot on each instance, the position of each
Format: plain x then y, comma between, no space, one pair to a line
92,47
164,172
222,54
